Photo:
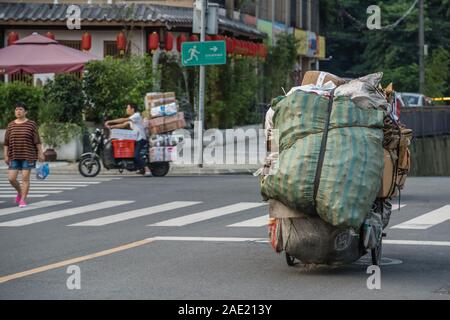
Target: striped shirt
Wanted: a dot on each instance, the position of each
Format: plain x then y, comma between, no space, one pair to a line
21,140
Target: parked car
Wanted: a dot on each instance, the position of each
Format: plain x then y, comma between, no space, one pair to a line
415,100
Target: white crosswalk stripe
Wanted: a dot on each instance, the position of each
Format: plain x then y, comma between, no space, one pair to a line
33,206
11,192
396,206
208,214
255,222
63,213
136,213
263,220
39,188
426,220
44,188
57,182
29,196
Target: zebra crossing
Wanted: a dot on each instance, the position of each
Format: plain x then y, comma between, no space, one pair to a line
233,211
177,206
45,188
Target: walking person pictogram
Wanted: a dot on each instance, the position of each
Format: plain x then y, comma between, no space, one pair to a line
193,52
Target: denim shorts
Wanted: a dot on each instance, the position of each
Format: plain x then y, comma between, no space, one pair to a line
22,165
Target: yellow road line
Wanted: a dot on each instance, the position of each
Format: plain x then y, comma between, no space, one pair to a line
75,260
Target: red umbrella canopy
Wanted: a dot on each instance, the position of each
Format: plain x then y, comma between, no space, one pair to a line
39,54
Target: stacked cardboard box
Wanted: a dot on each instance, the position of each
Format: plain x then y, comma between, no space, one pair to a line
161,111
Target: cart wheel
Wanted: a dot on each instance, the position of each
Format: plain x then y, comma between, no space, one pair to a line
290,260
376,253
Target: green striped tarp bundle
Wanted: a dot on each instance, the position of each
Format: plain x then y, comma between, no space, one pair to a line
353,161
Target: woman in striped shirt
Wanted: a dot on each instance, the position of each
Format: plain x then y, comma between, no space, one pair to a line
22,148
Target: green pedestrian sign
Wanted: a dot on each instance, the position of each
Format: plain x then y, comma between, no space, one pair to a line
203,53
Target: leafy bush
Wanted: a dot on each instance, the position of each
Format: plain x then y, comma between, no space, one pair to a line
10,93
56,134
65,95
112,83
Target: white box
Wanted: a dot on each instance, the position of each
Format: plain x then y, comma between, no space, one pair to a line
160,154
123,134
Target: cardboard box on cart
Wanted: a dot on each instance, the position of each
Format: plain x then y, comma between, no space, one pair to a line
321,77
166,124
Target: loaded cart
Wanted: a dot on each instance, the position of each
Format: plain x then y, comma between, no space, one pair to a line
338,157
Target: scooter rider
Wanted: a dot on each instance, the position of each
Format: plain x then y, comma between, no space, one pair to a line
134,121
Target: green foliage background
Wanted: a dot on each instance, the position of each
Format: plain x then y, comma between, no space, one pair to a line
357,51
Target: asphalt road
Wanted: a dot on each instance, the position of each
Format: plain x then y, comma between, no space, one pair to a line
170,238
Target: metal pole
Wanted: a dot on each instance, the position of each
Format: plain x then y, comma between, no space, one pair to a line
273,22
421,48
201,104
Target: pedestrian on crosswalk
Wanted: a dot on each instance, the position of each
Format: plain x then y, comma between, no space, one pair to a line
22,147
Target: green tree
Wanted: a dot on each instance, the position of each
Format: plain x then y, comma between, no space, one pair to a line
66,93
10,93
112,83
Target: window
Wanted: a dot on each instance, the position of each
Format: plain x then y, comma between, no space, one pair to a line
293,13
110,49
21,77
75,44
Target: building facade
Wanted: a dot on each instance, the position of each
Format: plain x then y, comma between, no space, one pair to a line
254,20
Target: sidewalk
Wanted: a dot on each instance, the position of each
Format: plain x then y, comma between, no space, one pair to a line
71,168
179,169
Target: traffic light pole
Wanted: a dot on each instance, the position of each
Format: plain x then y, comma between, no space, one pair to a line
201,103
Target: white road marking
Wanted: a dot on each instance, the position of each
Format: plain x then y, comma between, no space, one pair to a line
135,213
58,186
264,240
29,196
255,222
396,207
33,183
13,192
208,214
426,220
418,243
209,239
63,213
32,206
40,188
263,220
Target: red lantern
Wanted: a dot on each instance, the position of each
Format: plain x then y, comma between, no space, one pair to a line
193,38
153,42
169,41
235,44
121,42
254,49
241,47
50,35
264,51
229,45
208,38
86,41
246,48
181,38
12,37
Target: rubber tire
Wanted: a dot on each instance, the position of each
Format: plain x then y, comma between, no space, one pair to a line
376,254
92,174
159,169
290,260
